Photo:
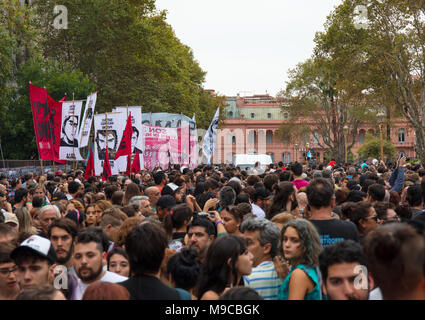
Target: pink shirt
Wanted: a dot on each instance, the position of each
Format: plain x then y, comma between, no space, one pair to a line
300,183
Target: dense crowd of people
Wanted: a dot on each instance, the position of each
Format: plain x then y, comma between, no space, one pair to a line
302,231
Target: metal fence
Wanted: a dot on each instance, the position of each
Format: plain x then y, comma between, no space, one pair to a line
17,168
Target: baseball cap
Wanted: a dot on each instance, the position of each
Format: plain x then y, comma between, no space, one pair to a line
11,218
166,201
173,186
59,196
39,245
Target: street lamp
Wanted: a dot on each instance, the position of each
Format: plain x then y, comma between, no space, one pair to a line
345,141
296,152
380,117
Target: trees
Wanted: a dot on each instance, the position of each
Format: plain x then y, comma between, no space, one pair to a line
131,54
321,102
397,36
372,148
124,49
378,64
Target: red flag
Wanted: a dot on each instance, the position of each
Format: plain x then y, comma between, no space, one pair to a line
135,167
47,116
106,167
63,99
90,166
125,145
128,169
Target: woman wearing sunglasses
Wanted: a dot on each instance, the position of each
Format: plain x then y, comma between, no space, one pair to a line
365,218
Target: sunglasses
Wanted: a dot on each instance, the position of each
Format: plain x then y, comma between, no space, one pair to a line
374,217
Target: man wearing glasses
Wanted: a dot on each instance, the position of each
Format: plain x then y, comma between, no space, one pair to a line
9,287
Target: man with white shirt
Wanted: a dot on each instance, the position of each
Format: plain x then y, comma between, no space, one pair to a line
78,176
89,260
260,198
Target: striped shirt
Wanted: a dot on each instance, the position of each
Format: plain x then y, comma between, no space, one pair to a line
264,280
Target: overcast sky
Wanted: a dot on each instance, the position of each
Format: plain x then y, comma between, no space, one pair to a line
247,46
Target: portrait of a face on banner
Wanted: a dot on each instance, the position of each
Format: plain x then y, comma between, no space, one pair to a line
69,146
108,136
137,137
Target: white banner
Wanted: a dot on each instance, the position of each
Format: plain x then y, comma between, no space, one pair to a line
137,140
210,136
71,116
84,133
110,136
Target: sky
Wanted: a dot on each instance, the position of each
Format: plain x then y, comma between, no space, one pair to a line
247,46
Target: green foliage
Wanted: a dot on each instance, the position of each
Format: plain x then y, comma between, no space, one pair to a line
17,131
372,148
131,54
123,49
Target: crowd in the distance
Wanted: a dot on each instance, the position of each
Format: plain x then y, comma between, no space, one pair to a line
315,232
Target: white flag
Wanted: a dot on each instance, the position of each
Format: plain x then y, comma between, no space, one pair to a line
83,136
209,138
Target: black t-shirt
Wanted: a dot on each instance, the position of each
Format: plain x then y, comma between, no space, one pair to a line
419,217
149,288
335,230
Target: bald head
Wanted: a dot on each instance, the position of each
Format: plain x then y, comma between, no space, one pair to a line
153,194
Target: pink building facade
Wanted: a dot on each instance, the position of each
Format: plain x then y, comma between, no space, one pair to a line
253,122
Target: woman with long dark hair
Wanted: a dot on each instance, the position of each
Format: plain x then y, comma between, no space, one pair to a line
300,246
227,260
284,200
175,224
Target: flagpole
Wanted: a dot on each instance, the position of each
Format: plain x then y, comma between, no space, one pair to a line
181,146
131,153
73,140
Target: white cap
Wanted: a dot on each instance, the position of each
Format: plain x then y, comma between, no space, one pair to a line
10,218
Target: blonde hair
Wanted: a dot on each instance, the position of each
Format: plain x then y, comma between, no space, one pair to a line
77,204
283,218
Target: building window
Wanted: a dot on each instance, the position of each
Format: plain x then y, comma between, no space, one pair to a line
315,137
269,137
252,115
288,158
401,136
233,140
269,115
361,136
252,137
272,156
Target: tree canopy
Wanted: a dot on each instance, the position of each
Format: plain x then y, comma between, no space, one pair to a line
123,49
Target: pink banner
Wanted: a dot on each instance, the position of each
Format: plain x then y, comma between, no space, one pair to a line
180,147
156,147
166,144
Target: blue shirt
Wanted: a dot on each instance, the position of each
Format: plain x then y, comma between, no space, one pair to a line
314,294
264,280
